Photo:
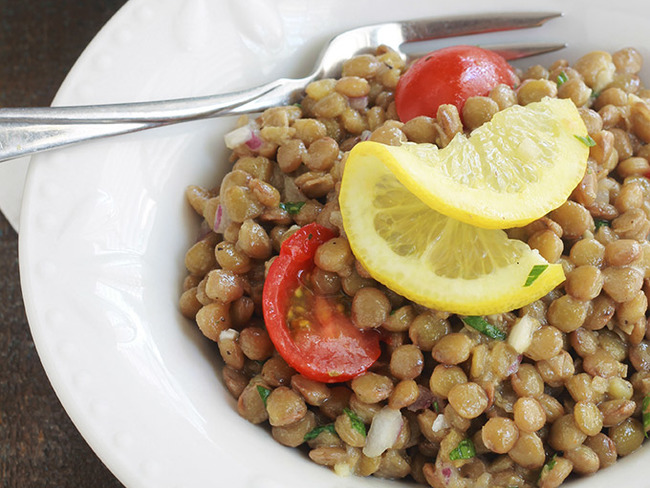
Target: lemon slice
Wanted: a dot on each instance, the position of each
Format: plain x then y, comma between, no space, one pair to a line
510,171
431,259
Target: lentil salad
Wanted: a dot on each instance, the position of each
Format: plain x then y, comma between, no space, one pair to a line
472,410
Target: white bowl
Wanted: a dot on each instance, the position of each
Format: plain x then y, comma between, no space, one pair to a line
105,226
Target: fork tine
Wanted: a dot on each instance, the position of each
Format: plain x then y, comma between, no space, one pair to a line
511,52
440,28
518,51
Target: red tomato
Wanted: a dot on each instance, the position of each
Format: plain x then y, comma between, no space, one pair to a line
326,346
449,76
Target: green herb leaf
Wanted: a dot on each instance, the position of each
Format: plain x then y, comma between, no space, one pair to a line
357,423
601,223
549,465
645,411
292,207
436,407
465,450
264,393
312,434
586,140
535,272
485,327
561,78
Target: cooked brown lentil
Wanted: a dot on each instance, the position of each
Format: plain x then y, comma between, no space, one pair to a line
578,386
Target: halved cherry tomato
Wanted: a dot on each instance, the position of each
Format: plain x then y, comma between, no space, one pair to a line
449,76
310,331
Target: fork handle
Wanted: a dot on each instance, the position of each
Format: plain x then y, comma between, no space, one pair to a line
29,130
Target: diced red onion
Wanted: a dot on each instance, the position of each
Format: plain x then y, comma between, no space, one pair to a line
291,191
365,135
443,474
221,220
514,367
217,217
358,103
255,141
423,401
521,333
238,136
384,430
228,334
247,134
440,423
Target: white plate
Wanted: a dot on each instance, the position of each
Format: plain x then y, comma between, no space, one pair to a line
12,180
104,229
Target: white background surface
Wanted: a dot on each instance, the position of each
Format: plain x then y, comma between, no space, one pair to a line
104,228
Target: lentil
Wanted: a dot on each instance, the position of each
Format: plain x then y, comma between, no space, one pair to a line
406,362
558,472
468,399
528,451
499,434
588,417
585,460
293,435
370,307
372,387
444,378
452,349
627,436
404,394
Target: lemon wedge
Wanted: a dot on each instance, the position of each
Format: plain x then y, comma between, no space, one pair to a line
432,259
510,171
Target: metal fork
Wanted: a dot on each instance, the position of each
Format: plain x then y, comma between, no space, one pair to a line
30,130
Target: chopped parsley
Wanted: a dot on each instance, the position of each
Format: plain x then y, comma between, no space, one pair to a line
357,423
561,78
485,327
436,407
312,434
464,450
535,273
586,140
551,464
645,411
601,223
292,207
548,466
264,393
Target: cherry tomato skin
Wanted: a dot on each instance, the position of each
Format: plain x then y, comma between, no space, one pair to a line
449,76
334,349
